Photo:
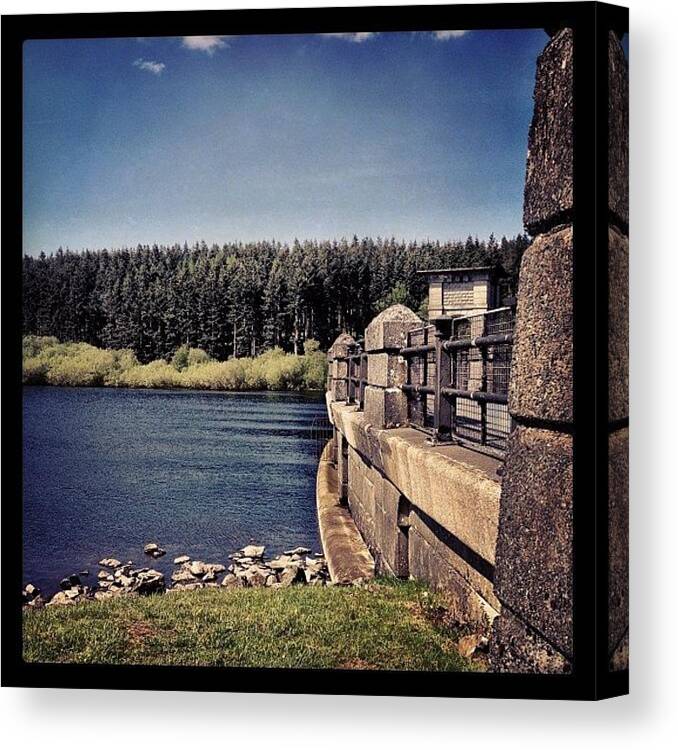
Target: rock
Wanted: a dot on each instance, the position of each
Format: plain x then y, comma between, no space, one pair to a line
298,551
182,559
158,553
110,562
469,644
189,586
30,593
209,576
84,573
182,576
291,575
125,581
60,599
70,581
104,575
150,548
101,595
253,551
73,593
150,582
271,579
216,567
197,568
280,563
230,581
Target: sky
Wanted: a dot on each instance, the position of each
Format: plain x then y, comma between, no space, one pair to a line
169,139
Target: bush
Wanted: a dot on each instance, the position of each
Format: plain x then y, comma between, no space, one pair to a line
80,365
156,374
46,361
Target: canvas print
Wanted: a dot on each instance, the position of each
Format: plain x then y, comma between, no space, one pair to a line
298,351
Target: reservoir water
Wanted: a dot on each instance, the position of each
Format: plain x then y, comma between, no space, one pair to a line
202,473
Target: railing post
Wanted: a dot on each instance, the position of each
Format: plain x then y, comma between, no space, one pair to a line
442,418
483,386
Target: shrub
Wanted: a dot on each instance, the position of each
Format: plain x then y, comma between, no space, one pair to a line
180,358
156,374
34,345
45,360
34,371
80,365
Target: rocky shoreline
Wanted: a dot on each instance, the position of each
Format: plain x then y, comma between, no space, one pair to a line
248,568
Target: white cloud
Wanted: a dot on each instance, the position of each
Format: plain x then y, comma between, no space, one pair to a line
150,66
443,36
353,36
208,44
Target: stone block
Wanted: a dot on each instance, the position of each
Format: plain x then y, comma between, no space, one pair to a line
456,487
452,553
533,573
390,535
361,492
541,367
388,329
338,390
548,181
618,124
385,407
618,325
465,604
517,648
339,368
341,346
386,370
618,537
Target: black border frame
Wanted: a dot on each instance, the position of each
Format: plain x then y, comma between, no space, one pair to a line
591,21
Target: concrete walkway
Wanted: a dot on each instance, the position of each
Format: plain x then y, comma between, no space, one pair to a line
348,558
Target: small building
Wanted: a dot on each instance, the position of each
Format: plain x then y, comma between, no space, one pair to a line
455,292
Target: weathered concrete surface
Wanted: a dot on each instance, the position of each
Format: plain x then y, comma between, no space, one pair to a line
385,407
348,558
432,558
516,648
457,487
534,546
618,123
548,182
618,324
388,329
541,368
426,511
341,346
618,539
386,370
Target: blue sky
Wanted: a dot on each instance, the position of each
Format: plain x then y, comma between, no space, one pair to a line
415,135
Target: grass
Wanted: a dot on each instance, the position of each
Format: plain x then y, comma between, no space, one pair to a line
387,625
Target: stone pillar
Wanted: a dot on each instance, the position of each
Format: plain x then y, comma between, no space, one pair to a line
618,357
533,574
338,367
385,402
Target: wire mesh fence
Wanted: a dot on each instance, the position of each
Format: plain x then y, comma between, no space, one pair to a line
468,399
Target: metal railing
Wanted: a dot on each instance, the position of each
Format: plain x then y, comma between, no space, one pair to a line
457,379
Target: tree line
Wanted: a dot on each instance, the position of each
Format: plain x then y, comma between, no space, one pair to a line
236,300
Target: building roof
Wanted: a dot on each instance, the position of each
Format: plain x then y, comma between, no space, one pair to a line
465,269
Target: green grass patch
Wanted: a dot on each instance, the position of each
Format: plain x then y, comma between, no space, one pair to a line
388,625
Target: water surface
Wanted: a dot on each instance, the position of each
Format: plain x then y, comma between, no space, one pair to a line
201,473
